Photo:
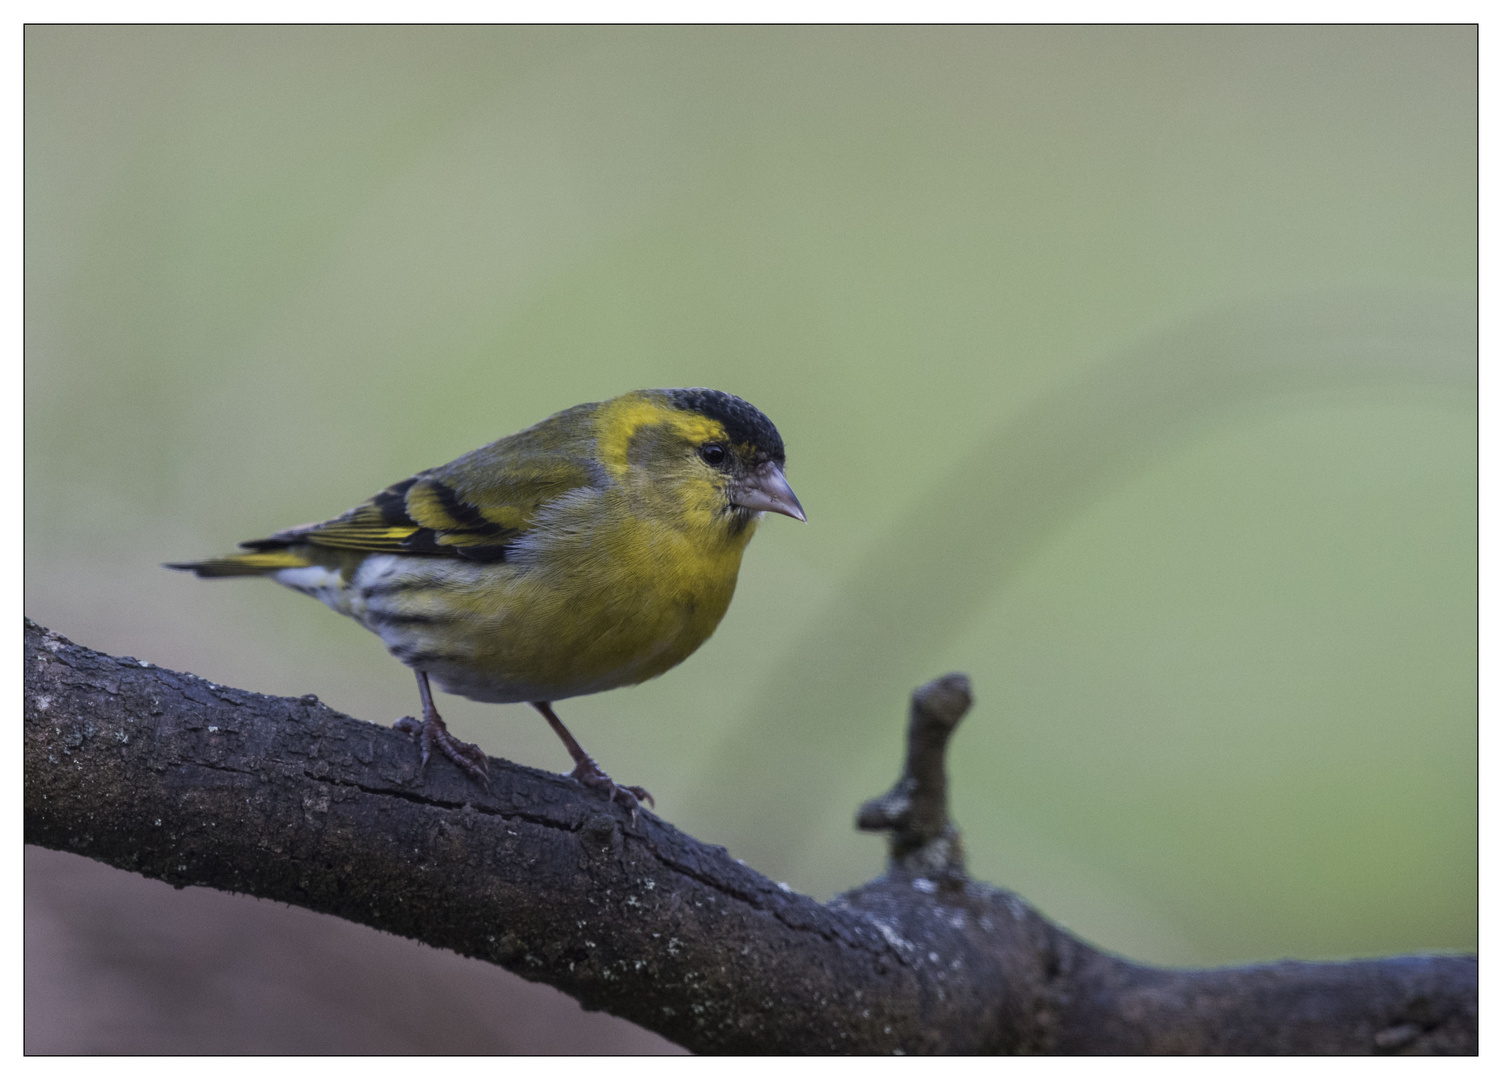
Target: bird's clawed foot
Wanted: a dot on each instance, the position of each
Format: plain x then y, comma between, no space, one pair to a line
431,732
628,795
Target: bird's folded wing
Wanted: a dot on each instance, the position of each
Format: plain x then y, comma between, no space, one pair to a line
473,508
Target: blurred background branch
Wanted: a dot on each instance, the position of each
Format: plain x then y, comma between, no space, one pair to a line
976,527
199,784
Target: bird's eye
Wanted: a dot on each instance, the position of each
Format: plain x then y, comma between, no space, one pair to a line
712,453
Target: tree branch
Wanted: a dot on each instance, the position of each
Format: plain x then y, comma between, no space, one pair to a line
176,778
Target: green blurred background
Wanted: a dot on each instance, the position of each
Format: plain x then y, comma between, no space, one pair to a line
1130,370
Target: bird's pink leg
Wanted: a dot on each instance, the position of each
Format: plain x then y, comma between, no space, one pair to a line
585,769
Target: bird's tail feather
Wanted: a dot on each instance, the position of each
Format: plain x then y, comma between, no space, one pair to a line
252,563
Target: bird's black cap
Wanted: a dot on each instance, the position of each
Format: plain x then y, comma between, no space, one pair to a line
744,422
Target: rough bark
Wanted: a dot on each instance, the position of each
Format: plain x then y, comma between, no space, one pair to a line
176,778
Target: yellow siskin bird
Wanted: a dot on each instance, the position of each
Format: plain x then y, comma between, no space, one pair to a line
596,549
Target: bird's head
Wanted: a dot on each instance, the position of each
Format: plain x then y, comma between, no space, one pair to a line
705,454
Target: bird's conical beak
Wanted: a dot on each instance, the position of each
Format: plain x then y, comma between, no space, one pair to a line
767,489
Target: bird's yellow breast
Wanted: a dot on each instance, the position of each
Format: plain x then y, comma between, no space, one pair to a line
640,594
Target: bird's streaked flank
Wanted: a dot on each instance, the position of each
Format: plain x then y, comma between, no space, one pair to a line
593,550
